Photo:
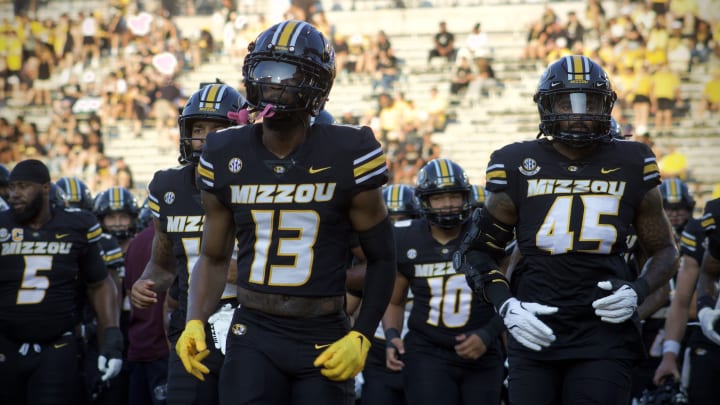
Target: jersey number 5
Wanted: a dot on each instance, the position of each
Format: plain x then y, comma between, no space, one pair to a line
33,287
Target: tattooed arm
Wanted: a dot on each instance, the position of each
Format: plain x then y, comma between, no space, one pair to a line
655,236
159,272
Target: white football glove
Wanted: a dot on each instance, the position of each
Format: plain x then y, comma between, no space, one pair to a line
617,307
707,317
526,328
220,325
109,368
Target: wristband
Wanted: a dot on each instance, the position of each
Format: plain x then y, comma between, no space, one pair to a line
390,334
705,301
671,346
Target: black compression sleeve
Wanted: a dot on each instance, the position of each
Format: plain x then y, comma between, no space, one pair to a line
378,243
714,246
491,330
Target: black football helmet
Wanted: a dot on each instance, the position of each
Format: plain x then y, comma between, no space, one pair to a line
145,216
117,199
215,102
670,392
4,181
58,198
616,131
443,176
77,193
572,91
400,200
479,195
290,67
675,194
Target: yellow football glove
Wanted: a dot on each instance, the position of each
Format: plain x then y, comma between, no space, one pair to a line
192,349
345,358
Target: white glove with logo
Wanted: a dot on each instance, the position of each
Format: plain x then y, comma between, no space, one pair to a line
617,307
526,328
707,317
220,325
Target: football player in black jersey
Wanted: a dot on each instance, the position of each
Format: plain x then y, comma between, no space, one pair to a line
116,208
48,256
4,176
451,353
705,356
569,198
381,385
78,196
174,198
655,311
291,194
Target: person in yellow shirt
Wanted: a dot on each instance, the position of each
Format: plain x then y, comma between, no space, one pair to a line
664,96
673,164
710,96
640,93
657,42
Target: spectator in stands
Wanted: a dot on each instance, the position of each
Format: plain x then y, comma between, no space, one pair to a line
532,47
684,12
639,94
461,77
437,111
574,29
657,42
123,174
443,44
90,29
678,51
702,44
664,97
387,71
43,82
673,164
476,46
486,81
710,100
360,58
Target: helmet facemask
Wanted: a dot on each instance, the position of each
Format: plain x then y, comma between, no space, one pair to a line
577,119
447,217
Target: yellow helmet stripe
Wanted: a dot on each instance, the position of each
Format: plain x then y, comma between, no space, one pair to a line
578,68
74,190
395,193
286,35
444,171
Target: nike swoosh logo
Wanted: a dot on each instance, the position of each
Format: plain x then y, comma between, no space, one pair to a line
61,235
318,347
59,345
313,170
606,171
